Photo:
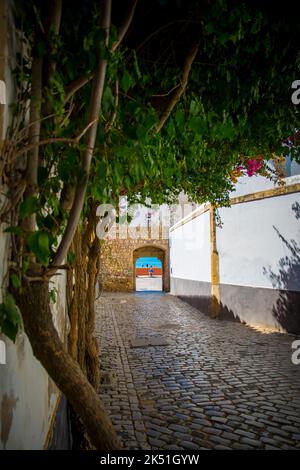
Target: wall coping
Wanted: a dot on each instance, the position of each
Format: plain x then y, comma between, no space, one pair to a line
292,185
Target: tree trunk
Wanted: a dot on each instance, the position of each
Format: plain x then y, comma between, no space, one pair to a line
50,351
92,353
82,343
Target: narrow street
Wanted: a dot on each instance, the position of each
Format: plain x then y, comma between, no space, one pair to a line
175,379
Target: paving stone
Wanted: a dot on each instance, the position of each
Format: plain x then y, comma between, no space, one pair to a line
220,440
215,414
277,431
156,442
251,442
219,419
182,436
189,445
177,427
254,424
202,421
251,435
269,440
223,427
212,430
238,446
270,447
231,436
221,447
292,429
168,438
152,433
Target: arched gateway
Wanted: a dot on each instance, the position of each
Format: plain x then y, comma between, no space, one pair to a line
151,251
118,260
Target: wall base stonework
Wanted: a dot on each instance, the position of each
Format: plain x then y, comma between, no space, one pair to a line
118,257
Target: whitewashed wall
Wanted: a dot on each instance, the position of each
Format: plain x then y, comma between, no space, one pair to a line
253,184
190,250
250,245
259,258
28,397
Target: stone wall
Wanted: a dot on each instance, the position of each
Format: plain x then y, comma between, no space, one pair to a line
118,258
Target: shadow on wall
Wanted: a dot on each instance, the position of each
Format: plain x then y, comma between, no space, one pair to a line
204,304
287,308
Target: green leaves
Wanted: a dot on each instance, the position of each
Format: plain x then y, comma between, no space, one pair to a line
237,100
127,81
38,243
53,295
13,229
10,317
108,99
29,206
198,124
136,66
94,39
180,119
71,258
16,281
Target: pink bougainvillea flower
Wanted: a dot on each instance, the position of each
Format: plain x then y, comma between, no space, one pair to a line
258,165
253,166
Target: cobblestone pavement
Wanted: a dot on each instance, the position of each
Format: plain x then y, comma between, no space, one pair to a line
148,283
216,385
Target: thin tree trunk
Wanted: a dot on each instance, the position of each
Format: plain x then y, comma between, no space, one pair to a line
29,223
90,139
92,353
180,89
73,301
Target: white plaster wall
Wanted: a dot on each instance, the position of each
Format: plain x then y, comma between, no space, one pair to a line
251,251
255,244
27,395
190,250
24,398
249,185
295,168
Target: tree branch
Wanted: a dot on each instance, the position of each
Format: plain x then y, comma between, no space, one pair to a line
180,90
56,140
116,104
79,82
90,139
53,20
52,27
75,85
29,222
165,26
125,25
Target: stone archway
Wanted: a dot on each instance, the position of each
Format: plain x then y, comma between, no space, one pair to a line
157,252
118,256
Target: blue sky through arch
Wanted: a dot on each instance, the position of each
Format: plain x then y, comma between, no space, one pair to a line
147,261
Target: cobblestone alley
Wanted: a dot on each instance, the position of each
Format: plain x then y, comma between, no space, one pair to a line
203,384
